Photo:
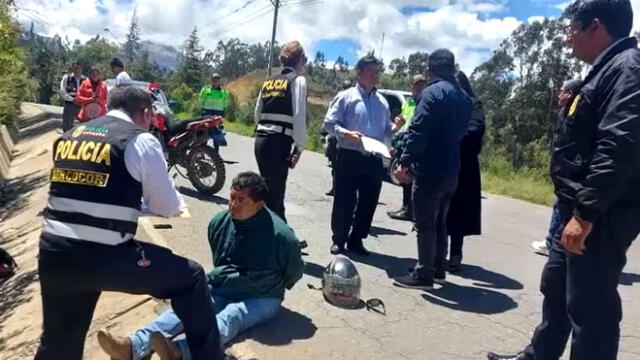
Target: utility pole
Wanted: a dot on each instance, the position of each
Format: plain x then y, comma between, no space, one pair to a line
273,34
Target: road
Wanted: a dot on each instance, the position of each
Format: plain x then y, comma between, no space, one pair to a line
493,305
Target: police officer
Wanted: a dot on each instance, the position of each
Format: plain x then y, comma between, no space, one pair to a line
595,167
214,98
280,115
69,89
102,170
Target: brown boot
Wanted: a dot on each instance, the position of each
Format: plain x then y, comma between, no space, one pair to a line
165,349
118,348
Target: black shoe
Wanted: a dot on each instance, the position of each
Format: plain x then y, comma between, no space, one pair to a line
401,214
454,264
335,249
412,282
302,244
440,278
519,356
330,193
358,250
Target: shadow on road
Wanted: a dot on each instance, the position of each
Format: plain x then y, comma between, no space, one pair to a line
200,196
282,330
470,299
394,266
14,292
377,231
628,279
14,196
313,269
487,278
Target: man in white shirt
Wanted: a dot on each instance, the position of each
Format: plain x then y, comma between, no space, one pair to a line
117,68
69,86
102,170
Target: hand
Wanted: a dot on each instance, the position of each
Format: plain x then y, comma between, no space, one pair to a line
353,136
403,174
398,122
574,235
294,158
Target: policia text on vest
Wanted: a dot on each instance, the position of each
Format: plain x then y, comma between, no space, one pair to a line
97,153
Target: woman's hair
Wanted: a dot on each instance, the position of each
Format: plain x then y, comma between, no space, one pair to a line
291,53
94,68
465,84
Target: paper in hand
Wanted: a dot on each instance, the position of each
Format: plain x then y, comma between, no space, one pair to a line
375,147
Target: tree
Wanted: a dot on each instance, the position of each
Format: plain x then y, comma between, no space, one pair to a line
97,51
12,70
145,70
320,60
399,67
193,65
131,47
232,59
417,63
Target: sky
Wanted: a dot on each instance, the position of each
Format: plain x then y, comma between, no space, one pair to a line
472,29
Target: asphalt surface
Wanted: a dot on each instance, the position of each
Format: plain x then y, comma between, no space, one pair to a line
494,304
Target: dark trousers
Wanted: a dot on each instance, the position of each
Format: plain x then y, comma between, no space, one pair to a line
272,154
456,246
407,190
580,291
357,184
69,114
431,198
72,278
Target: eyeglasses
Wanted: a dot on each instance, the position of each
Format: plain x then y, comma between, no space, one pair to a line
374,304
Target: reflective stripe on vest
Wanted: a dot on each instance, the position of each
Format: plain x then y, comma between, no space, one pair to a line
84,232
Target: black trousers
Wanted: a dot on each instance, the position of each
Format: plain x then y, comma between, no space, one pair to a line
69,114
272,154
407,190
580,291
72,278
431,198
457,241
357,184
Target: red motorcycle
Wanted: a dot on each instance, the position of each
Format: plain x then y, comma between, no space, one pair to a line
185,146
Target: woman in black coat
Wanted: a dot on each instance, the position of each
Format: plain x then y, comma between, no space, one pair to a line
464,216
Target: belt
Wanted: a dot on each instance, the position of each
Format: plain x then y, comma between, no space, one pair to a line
273,129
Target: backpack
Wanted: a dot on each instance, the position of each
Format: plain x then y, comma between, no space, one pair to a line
7,264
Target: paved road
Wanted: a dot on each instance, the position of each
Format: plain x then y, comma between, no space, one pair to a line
493,305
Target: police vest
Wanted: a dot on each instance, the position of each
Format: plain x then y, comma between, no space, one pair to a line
71,87
92,195
277,104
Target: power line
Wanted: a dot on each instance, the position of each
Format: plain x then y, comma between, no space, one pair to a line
253,16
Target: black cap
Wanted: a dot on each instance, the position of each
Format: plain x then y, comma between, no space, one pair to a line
117,62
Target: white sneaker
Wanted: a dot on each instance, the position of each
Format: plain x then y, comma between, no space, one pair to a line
540,247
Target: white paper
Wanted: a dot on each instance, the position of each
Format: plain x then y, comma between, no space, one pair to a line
375,147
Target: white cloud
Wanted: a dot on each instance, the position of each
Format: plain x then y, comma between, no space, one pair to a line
534,19
454,24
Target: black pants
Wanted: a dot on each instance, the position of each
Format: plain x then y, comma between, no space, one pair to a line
72,278
580,291
69,114
272,154
456,245
357,184
407,205
431,198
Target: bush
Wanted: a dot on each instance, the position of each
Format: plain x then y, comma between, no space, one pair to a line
12,67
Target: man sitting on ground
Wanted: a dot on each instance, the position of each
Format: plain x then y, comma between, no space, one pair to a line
255,257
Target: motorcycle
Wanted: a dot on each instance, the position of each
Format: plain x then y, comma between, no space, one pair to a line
185,145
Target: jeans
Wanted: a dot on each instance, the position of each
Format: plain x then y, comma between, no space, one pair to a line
431,198
555,226
232,317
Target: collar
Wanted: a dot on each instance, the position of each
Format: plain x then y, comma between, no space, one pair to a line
120,114
252,221
364,92
607,49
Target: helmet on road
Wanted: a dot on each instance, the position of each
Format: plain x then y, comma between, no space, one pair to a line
341,283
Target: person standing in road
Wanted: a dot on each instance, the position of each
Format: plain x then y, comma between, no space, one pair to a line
102,170
281,119
214,99
92,96
567,93
595,168
431,160
117,69
356,112
465,212
69,90
418,83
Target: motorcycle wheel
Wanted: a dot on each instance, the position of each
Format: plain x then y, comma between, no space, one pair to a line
392,167
204,163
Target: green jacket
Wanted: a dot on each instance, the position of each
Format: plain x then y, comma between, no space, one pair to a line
214,98
408,108
255,258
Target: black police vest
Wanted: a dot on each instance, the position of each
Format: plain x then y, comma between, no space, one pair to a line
71,87
277,103
92,196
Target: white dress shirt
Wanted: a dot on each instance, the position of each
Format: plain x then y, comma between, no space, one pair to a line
63,86
123,79
145,162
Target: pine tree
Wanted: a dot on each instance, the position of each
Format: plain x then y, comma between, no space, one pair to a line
132,46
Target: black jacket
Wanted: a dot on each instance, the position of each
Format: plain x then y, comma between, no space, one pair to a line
595,164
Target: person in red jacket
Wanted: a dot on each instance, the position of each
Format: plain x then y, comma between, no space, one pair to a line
92,96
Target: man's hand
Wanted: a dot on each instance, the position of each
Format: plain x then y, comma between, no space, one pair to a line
574,235
398,123
353,136
403,174
294,158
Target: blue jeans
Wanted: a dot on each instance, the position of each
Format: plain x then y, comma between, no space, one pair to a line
233,318
555,226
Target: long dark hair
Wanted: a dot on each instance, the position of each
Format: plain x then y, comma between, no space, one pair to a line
465,84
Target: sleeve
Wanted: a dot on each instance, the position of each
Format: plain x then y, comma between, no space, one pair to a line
258,110
334,119
473,138
617,153
202,96
419,130
300,113
291,261
63,89
145,162
80,98
102,98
